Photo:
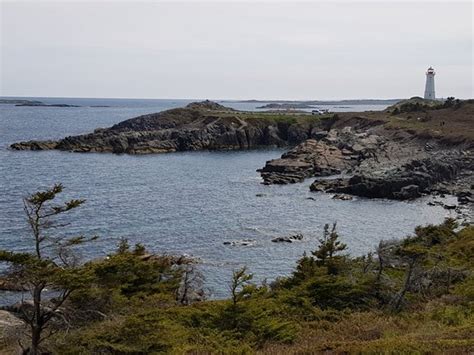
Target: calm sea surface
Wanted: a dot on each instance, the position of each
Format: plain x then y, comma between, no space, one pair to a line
181,202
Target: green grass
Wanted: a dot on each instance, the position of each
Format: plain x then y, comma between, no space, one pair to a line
283,117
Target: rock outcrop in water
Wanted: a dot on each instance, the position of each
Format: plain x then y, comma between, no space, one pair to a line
405,182
198,126
329,154
35,145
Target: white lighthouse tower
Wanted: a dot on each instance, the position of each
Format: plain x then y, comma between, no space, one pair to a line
429,87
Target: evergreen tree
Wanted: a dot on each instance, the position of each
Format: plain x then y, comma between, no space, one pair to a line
52,265
329,246
239,285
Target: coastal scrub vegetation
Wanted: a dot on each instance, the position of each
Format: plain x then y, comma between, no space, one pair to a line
413,295
449,122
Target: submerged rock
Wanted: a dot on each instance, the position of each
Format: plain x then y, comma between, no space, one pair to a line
289,239
449,206
244,242
342,197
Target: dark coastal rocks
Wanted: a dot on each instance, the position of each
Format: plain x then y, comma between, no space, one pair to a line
330,185
448,206
32,103
406,182
199,126
342,197
318,135
408,192
465,197
330,153
310,158
290,239
35,145
46,105
241,243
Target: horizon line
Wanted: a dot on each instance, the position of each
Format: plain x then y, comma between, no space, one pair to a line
203,99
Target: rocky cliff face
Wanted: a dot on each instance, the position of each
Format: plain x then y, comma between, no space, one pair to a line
408,181
198,126
329,153
372,165
310,158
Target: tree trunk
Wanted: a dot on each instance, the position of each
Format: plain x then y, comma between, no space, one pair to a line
37,322
35,340
411,266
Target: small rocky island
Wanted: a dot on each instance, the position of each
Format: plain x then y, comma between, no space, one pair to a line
31,103
411,149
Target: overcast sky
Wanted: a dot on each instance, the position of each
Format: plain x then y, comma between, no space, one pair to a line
319,50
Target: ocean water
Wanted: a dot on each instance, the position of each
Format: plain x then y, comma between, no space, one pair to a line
181,203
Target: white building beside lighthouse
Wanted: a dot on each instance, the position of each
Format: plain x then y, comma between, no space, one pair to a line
429,86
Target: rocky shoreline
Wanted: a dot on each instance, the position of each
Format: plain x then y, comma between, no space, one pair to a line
328,153
372,166
369,158
198,126
374,155
404,182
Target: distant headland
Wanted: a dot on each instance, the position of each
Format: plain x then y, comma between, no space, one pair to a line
35,103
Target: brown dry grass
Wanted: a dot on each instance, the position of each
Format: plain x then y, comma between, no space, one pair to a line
448,125
376,332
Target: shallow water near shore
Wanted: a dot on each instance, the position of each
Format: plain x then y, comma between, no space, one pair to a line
189,202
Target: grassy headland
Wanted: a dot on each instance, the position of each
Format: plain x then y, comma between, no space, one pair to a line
450,122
